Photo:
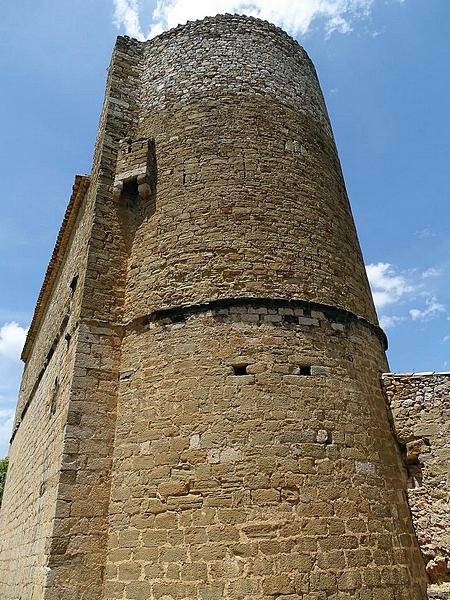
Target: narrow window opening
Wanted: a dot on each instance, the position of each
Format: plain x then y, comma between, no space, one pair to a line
130,189
240,369
64,324
415,477
306,312
305,370
54,398
73,284
51,352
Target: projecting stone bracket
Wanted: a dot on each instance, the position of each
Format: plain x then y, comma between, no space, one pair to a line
136,168
142,181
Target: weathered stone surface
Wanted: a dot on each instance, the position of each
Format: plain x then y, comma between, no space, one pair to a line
420,404
218,428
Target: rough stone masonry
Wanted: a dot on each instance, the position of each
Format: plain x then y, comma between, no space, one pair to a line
202,414
420,404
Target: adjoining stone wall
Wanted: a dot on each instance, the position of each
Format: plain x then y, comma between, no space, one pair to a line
53,545
28,510
77,565
420,404
64,299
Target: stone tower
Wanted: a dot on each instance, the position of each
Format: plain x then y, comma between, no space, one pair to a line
201,414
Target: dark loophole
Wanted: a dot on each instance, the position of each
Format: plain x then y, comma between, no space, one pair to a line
51,352
74,283
240,369
290,319
304,371
64,324
54,398
130,189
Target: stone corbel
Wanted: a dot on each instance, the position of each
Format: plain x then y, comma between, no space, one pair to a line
144,189
135,165
143,185
117,189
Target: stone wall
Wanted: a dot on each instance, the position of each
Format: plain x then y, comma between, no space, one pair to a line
244,152
28,510
76,567
420,404
254,459
53,545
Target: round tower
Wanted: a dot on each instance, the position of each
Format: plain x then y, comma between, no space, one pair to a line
253,454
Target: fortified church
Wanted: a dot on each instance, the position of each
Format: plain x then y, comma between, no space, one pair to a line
206,410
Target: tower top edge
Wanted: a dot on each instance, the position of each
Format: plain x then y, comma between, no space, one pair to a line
209,22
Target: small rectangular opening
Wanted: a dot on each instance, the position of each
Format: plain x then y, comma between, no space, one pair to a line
240,369
305,370
74,283
130,189
290,319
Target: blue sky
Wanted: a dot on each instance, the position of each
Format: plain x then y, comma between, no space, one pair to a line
384,69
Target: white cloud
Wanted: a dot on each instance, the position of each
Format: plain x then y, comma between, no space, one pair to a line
12,338
445,339
387,286
433,309
126,14
431,272
295,16
388,322
390,287
425,233
6,424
